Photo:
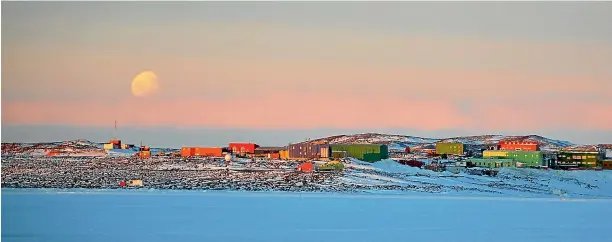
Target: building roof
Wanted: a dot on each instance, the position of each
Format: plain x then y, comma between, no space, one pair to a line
605,146
581,148
270,148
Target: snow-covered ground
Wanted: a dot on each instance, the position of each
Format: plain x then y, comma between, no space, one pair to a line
160,215
515,182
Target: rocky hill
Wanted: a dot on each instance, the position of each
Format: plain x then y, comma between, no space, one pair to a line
402,141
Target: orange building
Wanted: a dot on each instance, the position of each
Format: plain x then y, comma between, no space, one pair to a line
201,151
243,148
145,154
520,145
305,167
208,151
187,151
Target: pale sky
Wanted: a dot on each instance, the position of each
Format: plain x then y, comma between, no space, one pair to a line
418,68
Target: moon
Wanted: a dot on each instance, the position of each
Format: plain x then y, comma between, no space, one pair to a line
145,84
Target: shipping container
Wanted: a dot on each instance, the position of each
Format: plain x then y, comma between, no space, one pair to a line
243,148
274,156
208,151
284,154
494,154
449,149
518,145
306,151
375,152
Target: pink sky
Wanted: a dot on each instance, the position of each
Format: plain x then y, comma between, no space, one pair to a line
266,74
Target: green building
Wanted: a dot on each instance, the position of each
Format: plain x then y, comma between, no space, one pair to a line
364,152
493,163
529,158
449,148
587,159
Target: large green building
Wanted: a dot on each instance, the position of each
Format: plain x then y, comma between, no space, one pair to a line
586,159
493,163
529,158
364,152
449,149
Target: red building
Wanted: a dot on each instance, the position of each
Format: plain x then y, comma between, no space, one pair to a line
305,167
243,148
522,145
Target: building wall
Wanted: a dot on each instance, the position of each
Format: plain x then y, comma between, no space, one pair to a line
530,158
576,158
284,154
306,151
375,152
325,151
187,151
339,154
519,145
607,153
494,153
243,148
493,163
208,151
449,148
607,164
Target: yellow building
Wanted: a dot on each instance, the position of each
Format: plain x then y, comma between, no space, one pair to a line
284,154
494,153
109,146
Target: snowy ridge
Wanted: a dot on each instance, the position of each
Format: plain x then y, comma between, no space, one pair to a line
402,141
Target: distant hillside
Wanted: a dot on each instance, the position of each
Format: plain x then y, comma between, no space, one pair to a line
64,147
402,141
72,147
395,142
